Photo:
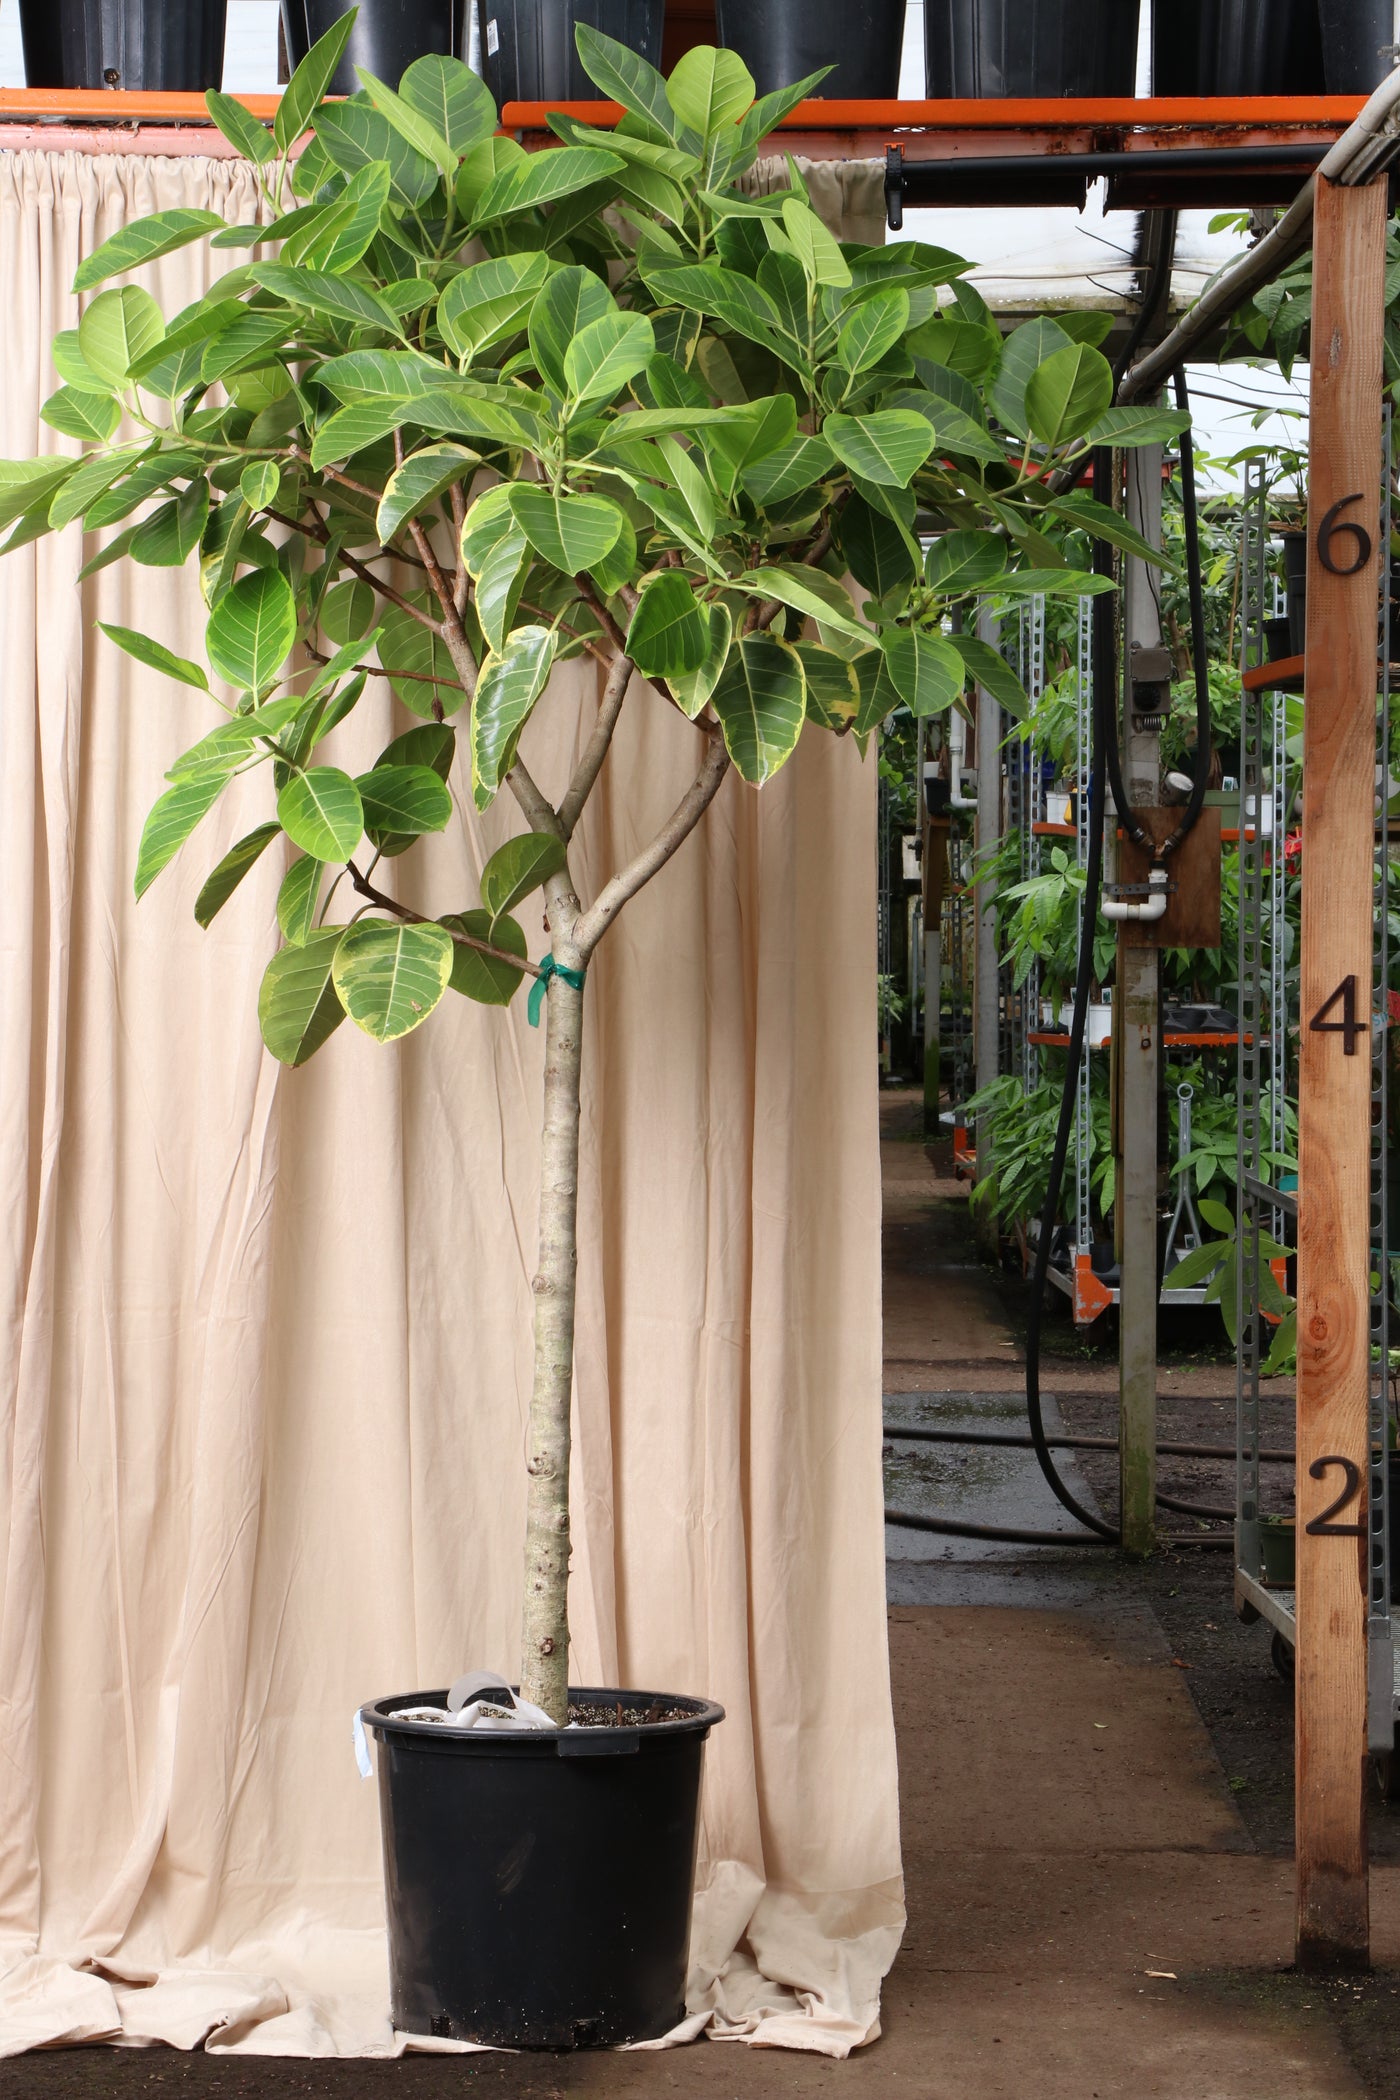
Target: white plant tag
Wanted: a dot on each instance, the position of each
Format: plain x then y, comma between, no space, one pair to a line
362,1758
493,38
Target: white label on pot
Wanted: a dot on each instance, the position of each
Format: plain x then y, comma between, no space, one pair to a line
362,1758
493,38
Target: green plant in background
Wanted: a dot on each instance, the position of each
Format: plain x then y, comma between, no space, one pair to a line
462,414
1214,1264
1016,1135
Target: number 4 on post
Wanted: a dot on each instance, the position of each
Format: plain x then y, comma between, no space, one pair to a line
1348,1027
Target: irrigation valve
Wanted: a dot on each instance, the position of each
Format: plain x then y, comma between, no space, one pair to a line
1150,684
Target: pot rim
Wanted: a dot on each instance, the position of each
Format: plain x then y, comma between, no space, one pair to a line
379,1716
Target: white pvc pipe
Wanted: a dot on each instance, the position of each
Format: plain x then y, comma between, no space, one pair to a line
957,753
1140,908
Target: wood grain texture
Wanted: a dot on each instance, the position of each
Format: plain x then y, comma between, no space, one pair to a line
1192,916
1334,1088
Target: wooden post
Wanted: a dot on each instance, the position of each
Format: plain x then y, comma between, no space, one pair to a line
1333,1926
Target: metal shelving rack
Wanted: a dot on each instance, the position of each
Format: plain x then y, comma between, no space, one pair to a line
1266,1209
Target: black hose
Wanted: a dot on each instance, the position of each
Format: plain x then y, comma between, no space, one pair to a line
1149,306
895,1433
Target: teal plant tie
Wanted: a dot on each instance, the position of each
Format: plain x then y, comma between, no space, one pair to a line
550,968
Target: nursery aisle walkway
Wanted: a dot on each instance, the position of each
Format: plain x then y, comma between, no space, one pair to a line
1091,1915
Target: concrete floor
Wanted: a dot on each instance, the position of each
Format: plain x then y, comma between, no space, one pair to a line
1089,1918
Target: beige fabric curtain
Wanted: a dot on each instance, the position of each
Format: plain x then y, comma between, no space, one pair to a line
265,1348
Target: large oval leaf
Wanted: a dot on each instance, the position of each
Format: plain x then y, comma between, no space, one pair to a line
231,870
297,900
298,1006
544,177
80,414
563,309
419,664
964,561
118,328
670,630
390,977
320,811
887,447
1067,394
760,702
403,800
811,592
455,101
571,532
691,690
171,821
423,477
485,977
607,353
519,867
508,688
925,670
1024,351
252,628
875,327
142,241
490,299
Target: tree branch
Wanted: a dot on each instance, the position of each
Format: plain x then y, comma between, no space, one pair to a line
610,627
410,917
597,747
683,819
451,629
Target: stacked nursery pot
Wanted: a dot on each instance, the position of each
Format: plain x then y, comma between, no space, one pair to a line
388,34
134,46
528,50
1031,48
1269,47
784,40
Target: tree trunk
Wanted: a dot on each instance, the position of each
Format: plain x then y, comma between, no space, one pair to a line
544,1668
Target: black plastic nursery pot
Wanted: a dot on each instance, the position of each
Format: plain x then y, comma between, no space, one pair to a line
528,52
388,35
982,48
1236,47
783,40
1357,42
138,46
539,1883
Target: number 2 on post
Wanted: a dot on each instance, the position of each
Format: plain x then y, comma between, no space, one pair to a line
1348,1027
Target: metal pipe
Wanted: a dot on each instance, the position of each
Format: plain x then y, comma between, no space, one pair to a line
1363,148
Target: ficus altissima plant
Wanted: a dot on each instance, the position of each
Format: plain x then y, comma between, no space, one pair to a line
463,413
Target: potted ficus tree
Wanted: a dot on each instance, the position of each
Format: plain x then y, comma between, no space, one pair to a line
460,415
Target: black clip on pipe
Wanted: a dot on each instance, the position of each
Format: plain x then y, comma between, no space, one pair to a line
894,188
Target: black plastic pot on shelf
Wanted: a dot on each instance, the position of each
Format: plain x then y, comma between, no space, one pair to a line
528,52
388,35
1236,47
1031,47
1357,44
138,46
539,1884
1295,569
783,40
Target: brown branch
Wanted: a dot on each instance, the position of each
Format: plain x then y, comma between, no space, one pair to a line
462,583
374,671
450,627
367,889
610,627
594,923
596,749
334,474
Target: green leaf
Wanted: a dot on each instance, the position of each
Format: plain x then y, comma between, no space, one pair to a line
310,81
874,548
117,328
563,308
320,811
607,353
546,176
760,702
390,977
990,668
258,484
171,821
419,664
875,327
788,470
510,684
297,900
709,89
91,417
490,299
347,612
484,977
242,130
1091,328
964,561
231,870
816,249
810,592
427,744
1137,426
767,426
155,655
340,298
626,78
170,535
455,101
925,670
410,124
571,532
351,430
496,553
72,367
886,447
769,111
340,239
298,1006
833,689
354,135
78,490
1024,351
423,477
1096,518
691,691
517,868
404,801
670,631
1067,393
733,299
879,696
141,242
251,630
